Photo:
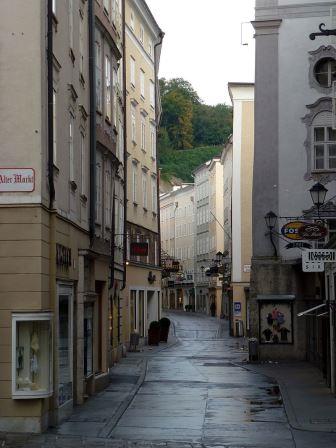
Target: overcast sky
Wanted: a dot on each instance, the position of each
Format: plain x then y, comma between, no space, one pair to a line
202,43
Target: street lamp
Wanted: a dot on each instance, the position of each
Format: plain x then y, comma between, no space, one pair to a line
270,220
218,257
318,193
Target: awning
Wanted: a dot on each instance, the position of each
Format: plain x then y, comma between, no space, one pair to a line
276,297
303,313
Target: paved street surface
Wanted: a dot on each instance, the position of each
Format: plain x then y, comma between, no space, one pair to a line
195,392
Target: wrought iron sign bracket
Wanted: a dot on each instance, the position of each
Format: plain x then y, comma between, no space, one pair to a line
323,32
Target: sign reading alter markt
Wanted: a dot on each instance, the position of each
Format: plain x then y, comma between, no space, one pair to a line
17,180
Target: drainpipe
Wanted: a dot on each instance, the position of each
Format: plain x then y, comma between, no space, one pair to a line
125,148
157,119
52,210
50,107
92,83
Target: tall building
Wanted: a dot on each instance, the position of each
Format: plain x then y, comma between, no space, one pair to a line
209,235
226,161
295,142
177,215
60,274
143,46
242,97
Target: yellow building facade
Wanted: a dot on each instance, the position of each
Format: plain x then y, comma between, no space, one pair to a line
242,97
143,280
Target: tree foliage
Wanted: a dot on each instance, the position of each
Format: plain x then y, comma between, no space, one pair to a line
186,121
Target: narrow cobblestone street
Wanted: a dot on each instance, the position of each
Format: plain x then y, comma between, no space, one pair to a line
194,392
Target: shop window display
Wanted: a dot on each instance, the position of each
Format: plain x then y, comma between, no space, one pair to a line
32,355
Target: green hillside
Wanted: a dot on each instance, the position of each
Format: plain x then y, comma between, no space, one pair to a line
181,164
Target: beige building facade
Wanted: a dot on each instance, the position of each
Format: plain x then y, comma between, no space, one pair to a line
143,46
209,234
59,285
177,215
242,97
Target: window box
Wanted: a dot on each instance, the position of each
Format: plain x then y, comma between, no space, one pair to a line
31,355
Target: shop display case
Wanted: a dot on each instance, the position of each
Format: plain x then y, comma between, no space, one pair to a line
31,355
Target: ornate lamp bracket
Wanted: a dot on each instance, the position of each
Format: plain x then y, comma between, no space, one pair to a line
323,32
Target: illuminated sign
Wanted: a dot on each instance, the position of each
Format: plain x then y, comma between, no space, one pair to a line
139,249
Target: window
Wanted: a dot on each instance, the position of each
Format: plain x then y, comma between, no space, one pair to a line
325,71
324,148
71,149
132,21
154,196
107,88
115,93
31,355
55,126
150,48
71,23
153,141
83,170
133,124
120,149
142,83
81,43
108,195
143,135
98,76
99,171
135,182
152,93
142,34
132,64
144,190
107,7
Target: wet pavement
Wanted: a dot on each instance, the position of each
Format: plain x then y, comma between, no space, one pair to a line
195,392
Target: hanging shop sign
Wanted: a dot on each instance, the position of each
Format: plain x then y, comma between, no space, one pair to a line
313,231
291,230
171,265
17,180
139,249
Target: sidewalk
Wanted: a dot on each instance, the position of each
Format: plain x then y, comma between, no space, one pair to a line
309,404
91,423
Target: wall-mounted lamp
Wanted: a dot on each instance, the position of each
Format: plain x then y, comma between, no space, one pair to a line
270,220
318,194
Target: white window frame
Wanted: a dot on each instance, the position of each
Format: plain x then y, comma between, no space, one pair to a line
144,191
108,195
132,71
83,164
142,83
108,88
98,61
153,141
152,93
154,195
325,143
143,134
133,124
71,149
135,182
142,35
132,21
81,43
71,24
115,94
99,188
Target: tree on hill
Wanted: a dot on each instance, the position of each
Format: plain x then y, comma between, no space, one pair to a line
186,121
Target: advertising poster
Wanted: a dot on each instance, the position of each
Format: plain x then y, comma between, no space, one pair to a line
276,323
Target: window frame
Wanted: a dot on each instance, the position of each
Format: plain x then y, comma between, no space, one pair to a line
326,143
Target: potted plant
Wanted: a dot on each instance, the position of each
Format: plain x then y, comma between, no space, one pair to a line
164,328
154,333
